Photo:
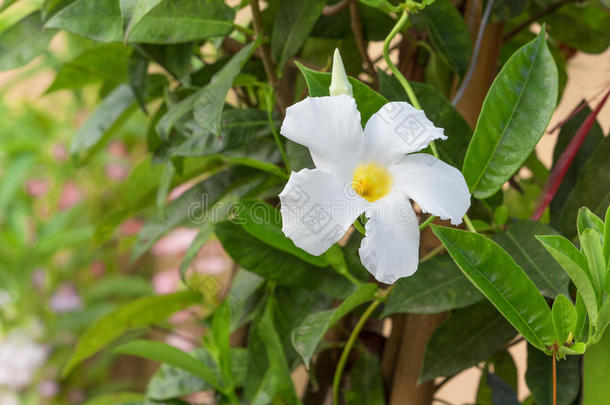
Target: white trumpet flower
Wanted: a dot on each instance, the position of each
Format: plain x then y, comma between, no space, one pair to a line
374,172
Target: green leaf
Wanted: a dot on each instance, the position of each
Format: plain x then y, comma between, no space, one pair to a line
582,26
276,265
138,76
507,9
437,286
164,353
596,368
116,398
449,34
502,281
604,317
136,314
23,41
582,326
575,264
105,62
170,21
587,219
520,242
504,368
108,116
292,26
607,236
469,336
591,246
501,392
539,378
592,189
515,114
440,111
264,222
366,382
132,11
308,334
208,102
564,318
367,99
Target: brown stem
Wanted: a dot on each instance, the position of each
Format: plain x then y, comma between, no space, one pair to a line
555,374
265,53
335,8
356,25
534,17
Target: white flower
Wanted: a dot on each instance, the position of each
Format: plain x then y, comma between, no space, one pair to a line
374,172
20,358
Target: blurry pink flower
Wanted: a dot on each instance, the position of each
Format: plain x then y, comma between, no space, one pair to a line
166,282
65,299
98,268
131,227
39,278
116,171
117,149
180,342
179,190
70,195
175,242
60,152
48,388
37,187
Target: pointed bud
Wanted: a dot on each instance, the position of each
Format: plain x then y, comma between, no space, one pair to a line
338,82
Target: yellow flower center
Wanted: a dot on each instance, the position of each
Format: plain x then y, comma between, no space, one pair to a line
371,181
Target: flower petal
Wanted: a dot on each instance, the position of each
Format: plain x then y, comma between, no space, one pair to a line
317,209
396,129
437,187
390,249
330,128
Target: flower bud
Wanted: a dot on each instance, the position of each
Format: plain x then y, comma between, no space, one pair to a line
339,84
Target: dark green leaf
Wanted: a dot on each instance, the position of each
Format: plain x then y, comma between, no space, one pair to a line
539,378
138,313
449,34
308,334
501,393
502,281
275,265
294,22
504,368
23,41
366,382
109,115
592,188
520,242
175,58
469,336
138,76
507,9
564,318
367,99
437,286
164,353
132,11
515,114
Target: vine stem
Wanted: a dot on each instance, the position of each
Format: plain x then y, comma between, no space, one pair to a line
348,347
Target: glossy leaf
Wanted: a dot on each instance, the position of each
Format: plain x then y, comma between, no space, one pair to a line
449,34
564,318
308,334
502,281
170,21
515,114
164,353
591,246
23,41
437,286
539,378
586,219
575,264
136,314
110,114
275,265
367,99
292,26
520,242
469,336
366,382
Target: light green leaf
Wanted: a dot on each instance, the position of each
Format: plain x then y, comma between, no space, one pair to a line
607,236
587,219
539,378
564,318
108,115
575,264
367,99
449,34
502,281
596,369
469,336
116,398
136,314
437,286
308,334
520,242
164,353
292,26
591,246
515,114
23,41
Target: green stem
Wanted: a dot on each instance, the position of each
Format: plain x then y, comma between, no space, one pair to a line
348,347
402,21
427,222
359,227
244,30
276,136
469,225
